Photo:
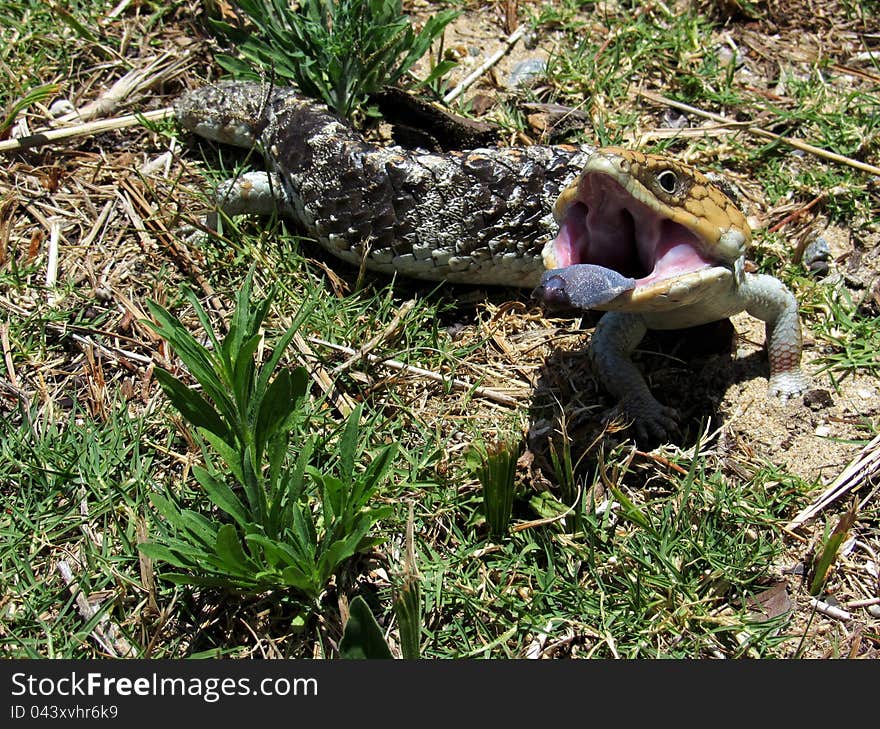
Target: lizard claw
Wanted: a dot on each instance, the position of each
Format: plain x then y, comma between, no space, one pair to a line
788,384
651,420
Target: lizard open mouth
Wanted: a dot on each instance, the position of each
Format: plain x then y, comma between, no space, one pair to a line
624,242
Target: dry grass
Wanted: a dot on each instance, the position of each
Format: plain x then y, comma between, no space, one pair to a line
89,231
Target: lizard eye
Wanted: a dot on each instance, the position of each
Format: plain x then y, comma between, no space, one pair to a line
667,181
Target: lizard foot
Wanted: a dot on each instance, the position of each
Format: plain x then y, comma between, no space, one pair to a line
788,384
651,420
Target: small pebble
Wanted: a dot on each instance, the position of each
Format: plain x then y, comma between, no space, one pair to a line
525,72
818,399
531,40
60,107
727,55
817,256
674,119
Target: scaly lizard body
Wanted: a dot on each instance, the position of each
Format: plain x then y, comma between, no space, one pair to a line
656,245
647,239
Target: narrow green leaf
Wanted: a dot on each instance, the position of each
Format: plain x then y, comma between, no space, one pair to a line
283,343
231,455
302,581
408,609
630,511
204,318
254,486
277,558
222,496
200,529
373,477
198,411
275,408
362,637
221,581
228,546
348,444
161,553
831,547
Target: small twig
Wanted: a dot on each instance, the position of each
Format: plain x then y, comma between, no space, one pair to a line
486,65
568,640
80,130
180,254
344,404
7,354
863,465
758,131
831,611
118,10
662,461
536,647
52,261
455,383
522,526
22,396
98,224
797,213
105,632
137,79
119,355
862,603
382,336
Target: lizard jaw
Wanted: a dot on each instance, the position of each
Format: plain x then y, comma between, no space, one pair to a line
605,225
635,254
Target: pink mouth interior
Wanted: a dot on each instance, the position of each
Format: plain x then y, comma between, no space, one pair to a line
608,228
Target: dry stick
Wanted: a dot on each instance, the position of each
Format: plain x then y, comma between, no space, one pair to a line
180,254
395,364
105,632
80,130
344,404
7,354
137,79
486,65
382,336
832,611
863,465
52,261
758,131
797,213
98,224
862,603
117,353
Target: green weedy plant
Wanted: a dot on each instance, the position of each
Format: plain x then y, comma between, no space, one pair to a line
281,522
339,51
33,96
495,467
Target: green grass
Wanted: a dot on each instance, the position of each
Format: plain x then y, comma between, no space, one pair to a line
849,333
607,69
643,592
339,52
74,489
658,557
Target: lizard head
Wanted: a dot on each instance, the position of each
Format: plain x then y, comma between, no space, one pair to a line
641,232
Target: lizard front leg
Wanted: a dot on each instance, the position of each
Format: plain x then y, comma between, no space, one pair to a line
615,338
767,299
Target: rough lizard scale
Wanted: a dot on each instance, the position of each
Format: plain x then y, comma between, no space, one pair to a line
481,216
646,238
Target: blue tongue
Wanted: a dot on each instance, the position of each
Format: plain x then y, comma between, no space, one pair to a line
582,286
